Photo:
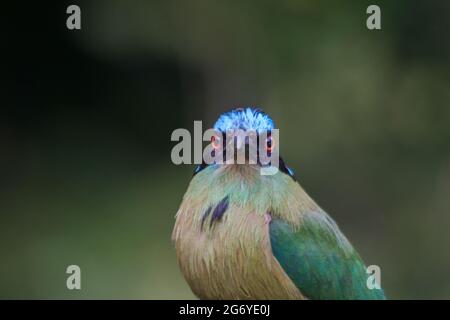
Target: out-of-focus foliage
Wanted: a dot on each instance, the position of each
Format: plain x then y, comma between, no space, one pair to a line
85,124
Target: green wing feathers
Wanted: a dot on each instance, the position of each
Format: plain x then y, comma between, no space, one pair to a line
319,259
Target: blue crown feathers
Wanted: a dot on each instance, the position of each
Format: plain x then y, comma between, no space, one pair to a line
245,119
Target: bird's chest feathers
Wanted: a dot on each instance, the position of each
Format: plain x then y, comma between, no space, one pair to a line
230,257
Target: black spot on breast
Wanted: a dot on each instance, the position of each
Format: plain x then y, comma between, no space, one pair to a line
205,215
219,210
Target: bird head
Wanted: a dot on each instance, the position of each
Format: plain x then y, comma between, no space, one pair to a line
246,137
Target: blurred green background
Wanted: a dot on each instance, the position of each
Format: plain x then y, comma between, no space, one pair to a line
86,118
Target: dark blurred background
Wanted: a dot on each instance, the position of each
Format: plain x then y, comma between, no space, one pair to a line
86,118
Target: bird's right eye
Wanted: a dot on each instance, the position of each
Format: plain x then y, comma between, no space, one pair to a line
270,144
216,142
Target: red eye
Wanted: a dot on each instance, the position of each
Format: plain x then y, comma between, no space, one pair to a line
270,144
215,142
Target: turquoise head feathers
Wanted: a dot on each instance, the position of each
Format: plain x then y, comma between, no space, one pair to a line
245,119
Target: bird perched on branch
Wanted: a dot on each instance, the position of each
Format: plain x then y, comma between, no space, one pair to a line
243,235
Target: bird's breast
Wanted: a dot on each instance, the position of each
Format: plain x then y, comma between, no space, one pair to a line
228,255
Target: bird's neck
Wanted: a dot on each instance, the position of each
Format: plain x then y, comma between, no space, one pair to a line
243,186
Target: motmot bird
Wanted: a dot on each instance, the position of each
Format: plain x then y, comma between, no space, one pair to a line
242,235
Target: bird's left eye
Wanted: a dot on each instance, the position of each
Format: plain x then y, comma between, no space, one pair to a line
216,142
270,144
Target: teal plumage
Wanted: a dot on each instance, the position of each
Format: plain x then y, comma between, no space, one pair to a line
242,235
320,260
